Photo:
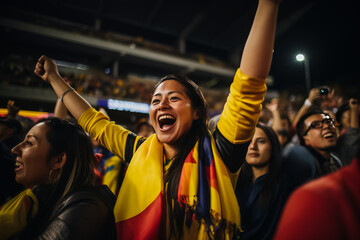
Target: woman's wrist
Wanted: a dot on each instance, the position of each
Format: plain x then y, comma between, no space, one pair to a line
307,103
64,93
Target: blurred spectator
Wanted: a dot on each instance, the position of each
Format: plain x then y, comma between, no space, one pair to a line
348,142
347,114
143,128
11,132
13,111
327,208
280,123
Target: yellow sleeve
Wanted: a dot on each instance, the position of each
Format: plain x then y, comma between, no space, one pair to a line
15,213
113,168
111,136
242,108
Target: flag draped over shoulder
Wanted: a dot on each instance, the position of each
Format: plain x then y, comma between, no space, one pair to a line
205,190
15,213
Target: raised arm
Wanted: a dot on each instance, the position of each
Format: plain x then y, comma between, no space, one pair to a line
46,69
354,113
257,54
242,108
60,111
110,135
273,106
314,95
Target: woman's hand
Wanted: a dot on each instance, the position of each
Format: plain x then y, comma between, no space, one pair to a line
273,105
314,95
354,105
45,68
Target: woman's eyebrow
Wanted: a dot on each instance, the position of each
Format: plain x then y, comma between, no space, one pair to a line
171,92
168,93
32,136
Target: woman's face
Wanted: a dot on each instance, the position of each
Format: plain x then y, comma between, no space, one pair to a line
259,150
171,114
32,166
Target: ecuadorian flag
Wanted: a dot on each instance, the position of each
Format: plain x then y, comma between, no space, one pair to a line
205,190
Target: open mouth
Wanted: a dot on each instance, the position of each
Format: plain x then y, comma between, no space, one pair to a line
328,136
18,165
166,121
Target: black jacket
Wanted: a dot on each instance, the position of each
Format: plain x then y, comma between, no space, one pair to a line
84,214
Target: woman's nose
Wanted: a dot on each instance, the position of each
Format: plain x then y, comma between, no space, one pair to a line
164,103
15,150
252,145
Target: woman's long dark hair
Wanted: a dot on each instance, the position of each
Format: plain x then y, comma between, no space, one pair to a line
275,168
185,144
64,136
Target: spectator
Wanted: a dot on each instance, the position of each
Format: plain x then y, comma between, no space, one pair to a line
265,182
54,163
143,128
178,115
11,131
316,131
13,111
348,115
280,122
326,208
348,142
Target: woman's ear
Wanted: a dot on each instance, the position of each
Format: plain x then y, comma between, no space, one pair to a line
60,161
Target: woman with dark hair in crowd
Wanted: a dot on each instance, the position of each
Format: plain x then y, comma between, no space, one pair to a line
55,164
177,185
264,184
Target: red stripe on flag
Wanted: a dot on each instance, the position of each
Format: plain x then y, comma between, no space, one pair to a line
211,175
189,158
145,225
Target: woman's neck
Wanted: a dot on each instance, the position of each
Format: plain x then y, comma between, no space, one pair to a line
258,172
170,151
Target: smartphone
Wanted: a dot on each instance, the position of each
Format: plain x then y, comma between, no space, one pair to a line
324,91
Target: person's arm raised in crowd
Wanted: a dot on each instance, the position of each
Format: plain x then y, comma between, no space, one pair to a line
60,110
349,143
13,110
242,108
46,69
314,95
354,113
258,50
273,107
